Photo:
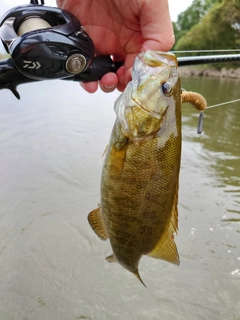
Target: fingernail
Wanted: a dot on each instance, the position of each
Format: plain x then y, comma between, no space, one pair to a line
109,87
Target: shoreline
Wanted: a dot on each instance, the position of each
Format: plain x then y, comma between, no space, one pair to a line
209,72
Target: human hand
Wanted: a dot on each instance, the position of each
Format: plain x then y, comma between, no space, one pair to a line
122,29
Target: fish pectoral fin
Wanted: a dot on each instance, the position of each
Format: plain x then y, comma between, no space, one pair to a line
166,250
104,152
96,221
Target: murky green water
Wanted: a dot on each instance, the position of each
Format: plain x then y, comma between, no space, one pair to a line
52,266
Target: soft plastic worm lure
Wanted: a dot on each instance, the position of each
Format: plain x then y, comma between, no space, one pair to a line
198,102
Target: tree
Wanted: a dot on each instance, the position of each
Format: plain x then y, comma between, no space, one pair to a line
192,16
219,28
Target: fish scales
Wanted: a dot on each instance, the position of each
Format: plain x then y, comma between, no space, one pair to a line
138,196
139,185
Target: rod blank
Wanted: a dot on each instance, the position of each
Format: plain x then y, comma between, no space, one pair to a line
188,61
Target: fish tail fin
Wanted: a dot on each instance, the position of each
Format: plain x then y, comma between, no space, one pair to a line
111,259
136,273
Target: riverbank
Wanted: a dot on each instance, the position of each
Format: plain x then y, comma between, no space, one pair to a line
210,72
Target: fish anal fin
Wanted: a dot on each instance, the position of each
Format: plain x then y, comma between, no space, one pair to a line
166,248
173,227
96,221
166,251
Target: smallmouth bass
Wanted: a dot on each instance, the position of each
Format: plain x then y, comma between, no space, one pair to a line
139,184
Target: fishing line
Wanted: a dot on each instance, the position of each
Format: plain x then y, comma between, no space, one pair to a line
201,114
221,104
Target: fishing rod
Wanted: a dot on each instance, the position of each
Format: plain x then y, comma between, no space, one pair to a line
205,51
47,43
196,60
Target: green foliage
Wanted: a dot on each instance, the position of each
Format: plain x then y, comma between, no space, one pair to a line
212,24
191,16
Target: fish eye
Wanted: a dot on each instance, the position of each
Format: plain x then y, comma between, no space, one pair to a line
167,88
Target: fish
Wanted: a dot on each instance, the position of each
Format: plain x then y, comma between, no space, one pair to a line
138,212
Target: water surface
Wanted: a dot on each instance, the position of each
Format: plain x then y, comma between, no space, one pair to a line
53,266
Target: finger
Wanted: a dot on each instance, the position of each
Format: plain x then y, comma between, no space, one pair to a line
128,67
121,79
90,87
109,82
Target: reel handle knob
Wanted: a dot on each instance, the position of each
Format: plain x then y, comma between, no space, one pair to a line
76,63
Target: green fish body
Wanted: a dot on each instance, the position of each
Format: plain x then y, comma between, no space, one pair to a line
139,184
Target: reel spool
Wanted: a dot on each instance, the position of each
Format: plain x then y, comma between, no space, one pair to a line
32,24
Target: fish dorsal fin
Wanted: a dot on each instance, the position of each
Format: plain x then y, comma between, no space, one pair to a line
166,248
96,221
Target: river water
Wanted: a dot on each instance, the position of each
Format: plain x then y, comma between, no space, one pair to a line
52,265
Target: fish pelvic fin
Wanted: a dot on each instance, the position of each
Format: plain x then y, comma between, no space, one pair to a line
136,273
111,258
96,221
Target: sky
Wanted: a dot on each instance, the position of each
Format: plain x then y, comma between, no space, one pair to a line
176,6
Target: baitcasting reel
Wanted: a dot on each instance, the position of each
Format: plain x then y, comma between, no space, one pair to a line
47,43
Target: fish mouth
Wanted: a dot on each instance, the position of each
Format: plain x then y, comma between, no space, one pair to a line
155,63
153,73
158,58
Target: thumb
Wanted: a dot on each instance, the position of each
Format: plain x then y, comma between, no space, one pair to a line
156,26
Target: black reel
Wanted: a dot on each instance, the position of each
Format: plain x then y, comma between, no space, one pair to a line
36,2
46,42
